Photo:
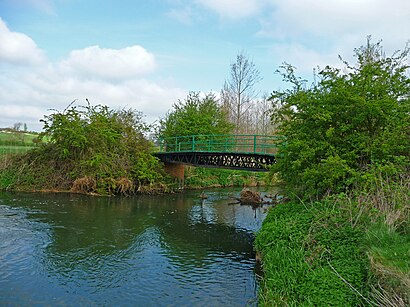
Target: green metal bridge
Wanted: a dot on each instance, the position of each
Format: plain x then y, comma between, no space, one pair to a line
240,151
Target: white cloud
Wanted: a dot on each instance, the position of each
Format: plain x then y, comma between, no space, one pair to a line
113,77
338,19
105,63
303,58
234,9
18,48
27,96
314,32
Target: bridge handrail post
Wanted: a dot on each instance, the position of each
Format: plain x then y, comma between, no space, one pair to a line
193,143
254,143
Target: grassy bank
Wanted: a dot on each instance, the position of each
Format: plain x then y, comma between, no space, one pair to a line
25,169
346,250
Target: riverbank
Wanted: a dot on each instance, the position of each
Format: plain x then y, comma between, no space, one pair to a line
20,173
348,249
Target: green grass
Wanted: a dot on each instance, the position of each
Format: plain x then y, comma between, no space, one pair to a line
389,254
346,250
19,137
13,143
311,257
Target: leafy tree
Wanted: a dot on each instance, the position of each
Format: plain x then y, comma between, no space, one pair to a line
350,121
195,116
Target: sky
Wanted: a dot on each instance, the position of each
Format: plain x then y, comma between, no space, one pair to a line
148,54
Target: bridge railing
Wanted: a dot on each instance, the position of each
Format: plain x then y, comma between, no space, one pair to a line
239,143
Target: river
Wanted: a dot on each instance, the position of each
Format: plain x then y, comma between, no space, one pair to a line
167,250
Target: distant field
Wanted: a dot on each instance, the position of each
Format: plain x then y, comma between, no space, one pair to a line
17,137
12,143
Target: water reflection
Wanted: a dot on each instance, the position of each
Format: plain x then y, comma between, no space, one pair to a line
161,250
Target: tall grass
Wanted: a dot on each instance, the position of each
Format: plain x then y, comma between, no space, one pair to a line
349,249
383,210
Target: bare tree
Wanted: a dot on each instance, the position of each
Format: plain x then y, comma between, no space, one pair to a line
238,93
263,116
17,126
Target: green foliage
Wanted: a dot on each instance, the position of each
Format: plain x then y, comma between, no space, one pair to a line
349,120
346,250
105,148
310,255
7,179
195,116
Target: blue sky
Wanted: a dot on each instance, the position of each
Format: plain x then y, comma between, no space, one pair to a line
148,54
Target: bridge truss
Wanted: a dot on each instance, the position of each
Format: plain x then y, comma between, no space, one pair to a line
243,152
240,161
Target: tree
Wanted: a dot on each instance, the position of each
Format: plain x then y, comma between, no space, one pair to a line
348,122
238,92
17,126
261,117
194,116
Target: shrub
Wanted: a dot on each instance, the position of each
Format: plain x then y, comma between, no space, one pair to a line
344,124
90,149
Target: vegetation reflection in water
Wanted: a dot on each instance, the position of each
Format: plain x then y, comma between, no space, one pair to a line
161,250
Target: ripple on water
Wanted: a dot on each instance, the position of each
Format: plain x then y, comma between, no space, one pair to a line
128,254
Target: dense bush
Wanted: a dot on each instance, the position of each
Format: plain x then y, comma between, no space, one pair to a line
350,120
90,149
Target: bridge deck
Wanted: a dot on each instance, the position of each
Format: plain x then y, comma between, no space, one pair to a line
245,152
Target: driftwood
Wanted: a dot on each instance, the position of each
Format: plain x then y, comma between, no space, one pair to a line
249,197
203,195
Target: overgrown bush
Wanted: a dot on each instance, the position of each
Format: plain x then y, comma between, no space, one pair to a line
90,149
349,121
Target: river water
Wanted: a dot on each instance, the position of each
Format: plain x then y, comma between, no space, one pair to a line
169,250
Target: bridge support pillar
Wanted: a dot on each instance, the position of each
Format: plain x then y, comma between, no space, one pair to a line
176,170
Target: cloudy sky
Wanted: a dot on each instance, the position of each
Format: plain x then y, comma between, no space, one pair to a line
148,54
